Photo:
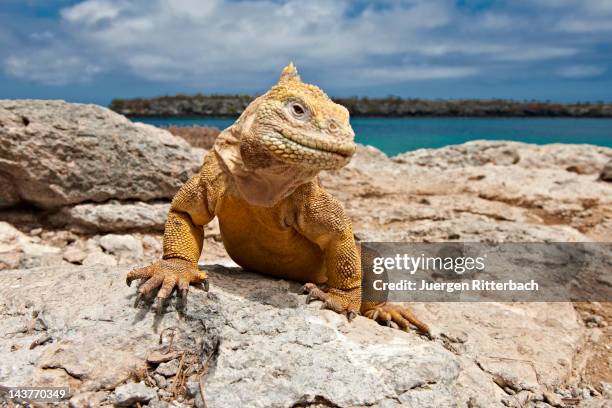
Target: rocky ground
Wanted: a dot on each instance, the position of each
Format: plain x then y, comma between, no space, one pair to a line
84,196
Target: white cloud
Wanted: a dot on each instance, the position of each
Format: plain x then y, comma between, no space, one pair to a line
536,53
584,25
399,74
47,67
580,71
92,11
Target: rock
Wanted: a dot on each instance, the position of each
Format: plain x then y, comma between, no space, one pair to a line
8,193
160,380
157,357
113,217
100,340
19,250
593,320
606,172
10,260
56,153
168,369
74,254
580,159
606,390
129,394
125,248
265,344
535,199
269,338
477,153
99,258
88,400
35,255
152,245
553,399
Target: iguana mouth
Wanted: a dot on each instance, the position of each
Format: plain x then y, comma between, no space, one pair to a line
345,149
296,148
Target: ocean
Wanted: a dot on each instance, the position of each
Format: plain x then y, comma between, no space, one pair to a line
398,135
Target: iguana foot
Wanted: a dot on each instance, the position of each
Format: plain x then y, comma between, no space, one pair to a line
393,316
166,274
340,301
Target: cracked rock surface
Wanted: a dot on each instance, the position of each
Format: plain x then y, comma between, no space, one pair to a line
266,348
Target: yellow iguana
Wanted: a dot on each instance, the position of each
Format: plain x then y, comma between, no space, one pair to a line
260,181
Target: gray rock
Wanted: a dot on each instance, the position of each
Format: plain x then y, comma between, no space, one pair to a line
306,355
125,248
10,260
129,394
553,399
99,258
160,380
100,340
74,254
268,338
168,369
579,159
88,399
113,217
56,153
8,193
20,250
606,390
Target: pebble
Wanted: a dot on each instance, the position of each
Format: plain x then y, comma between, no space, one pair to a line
131,393
168,369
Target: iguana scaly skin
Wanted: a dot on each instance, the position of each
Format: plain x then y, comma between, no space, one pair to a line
260,181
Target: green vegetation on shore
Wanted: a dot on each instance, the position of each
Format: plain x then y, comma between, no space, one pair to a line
232,105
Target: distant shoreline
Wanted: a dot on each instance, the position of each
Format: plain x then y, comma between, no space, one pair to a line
230,106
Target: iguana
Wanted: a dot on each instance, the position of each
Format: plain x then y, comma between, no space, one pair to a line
260,180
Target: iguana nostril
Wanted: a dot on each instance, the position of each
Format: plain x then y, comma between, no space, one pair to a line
332,126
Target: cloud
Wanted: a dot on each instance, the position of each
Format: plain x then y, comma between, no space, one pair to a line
399,74
581,71
49,68
240,44
92,11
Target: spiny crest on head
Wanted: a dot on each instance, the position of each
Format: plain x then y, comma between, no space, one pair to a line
290,73
291,83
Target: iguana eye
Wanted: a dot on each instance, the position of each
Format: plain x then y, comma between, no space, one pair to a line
297,110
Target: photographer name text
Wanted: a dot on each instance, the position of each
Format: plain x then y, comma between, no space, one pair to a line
473,285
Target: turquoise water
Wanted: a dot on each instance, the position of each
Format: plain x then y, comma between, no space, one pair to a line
397,135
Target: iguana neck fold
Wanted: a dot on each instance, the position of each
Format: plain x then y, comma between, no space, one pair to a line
262,186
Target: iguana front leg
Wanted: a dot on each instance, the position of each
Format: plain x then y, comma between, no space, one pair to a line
342,292
321,219
183,238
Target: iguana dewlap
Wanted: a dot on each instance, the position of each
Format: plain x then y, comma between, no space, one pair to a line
260,181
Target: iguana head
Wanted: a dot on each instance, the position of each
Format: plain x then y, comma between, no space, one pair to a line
297,124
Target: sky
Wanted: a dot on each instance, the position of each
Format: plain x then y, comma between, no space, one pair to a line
97,50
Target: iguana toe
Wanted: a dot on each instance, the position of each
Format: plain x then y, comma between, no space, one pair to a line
340,301
395,316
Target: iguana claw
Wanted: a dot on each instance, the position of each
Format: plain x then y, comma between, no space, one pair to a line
395,316
166,275
159,305
139,297
340,301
